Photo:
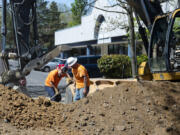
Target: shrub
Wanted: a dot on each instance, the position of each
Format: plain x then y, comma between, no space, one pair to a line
115,66
141,58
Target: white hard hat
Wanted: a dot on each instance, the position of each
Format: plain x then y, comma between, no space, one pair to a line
71,61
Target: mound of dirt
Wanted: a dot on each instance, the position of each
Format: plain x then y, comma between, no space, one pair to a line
146,108
24,112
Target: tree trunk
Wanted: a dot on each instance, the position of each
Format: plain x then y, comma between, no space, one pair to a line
132,42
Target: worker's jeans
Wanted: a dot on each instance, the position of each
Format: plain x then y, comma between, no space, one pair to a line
79,94
51,93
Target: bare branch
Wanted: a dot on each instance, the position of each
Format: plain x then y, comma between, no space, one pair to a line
123,5
111,6
108,10
122,2
124,27
92,2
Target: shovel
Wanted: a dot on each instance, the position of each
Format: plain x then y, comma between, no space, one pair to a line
59,93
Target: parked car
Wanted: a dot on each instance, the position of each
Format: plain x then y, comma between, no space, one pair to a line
52,65
90,63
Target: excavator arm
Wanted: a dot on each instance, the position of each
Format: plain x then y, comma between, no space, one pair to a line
147,10
23,13
27,51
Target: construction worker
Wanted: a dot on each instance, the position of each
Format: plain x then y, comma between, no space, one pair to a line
81,78
52,81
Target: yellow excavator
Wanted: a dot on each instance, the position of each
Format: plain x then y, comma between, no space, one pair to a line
163,47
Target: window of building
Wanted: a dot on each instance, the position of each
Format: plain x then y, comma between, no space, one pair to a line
95,50
75,52
78,51
117,49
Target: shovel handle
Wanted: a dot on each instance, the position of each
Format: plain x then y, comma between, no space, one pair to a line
55,95
60,92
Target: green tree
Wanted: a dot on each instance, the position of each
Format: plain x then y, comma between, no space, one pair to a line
9,27
48,22
77,11
42,23
65,14
53,23
10,34
49,19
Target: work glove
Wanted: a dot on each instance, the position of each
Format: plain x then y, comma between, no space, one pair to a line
69,80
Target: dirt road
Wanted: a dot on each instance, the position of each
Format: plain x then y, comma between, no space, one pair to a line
146,108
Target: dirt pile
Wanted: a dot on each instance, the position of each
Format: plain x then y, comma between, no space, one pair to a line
24,112
146,108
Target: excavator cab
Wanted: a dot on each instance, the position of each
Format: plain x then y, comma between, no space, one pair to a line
174,42
157,57
164,47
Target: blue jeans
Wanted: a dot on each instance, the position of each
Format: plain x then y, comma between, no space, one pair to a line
51,92
79,94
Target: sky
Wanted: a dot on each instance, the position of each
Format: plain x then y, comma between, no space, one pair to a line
67,2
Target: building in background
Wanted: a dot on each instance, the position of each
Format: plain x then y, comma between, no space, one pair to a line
96,35
99,33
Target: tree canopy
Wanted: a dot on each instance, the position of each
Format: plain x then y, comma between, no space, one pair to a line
77,11
48,22
50,17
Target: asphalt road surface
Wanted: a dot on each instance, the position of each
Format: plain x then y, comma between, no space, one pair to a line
35,84
35,81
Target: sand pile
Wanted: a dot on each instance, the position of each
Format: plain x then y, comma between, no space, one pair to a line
146,108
